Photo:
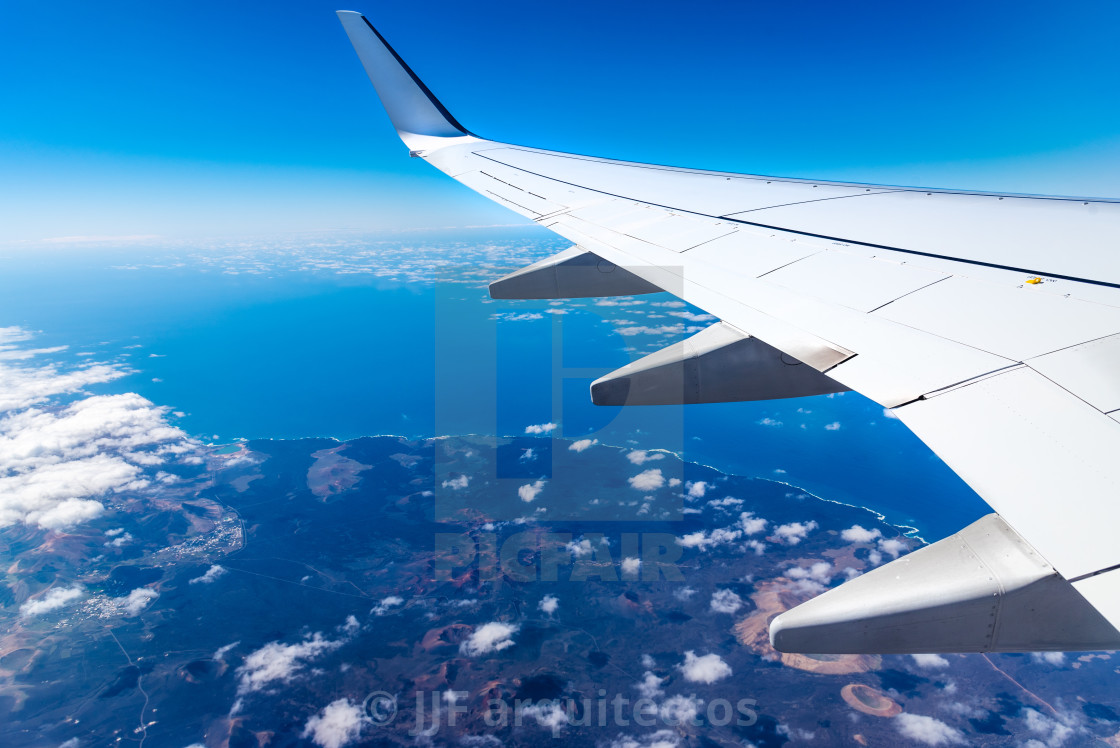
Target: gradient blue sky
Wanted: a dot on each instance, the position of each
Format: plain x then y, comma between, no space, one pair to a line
226,119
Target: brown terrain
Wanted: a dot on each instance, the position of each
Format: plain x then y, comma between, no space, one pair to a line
774,598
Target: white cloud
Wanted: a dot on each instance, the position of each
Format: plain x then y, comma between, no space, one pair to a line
528,455
338,724
276,663
927,730
834,426
858,534
659,739
680,710
811,579
540,428
705,669
684,593
518,316
631,565
641,457
211,574
677,329
458,482
530,491
892,546
582,444
930,661
725,502
726,601
549,604
752,525
794,532
704,540
55,598
137,600
769,422
59,458
691,317
1052,732
650,687
57,464
647,480
491,637
548,714
386,604
120,540
696,490
1050,658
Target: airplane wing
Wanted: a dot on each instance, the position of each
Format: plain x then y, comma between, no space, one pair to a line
988,323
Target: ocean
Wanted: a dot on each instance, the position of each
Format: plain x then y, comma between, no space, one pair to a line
352,336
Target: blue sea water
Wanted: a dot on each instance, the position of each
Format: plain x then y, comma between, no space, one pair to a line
246,345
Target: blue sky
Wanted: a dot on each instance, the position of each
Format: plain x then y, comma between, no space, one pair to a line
216,119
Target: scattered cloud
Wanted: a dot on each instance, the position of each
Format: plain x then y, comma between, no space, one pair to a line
517,316
641,456
1056,659
549,714
582,444
631,565
1052,732
540,428
892,546
769,422
647,480
705,540
812,579
650,686
387,604
549,604
696,490
659,739
276,663
705,669
726,601
530,491
491,637
213,573
136,601
834,426
677,329
927,730
337,725
458,482
55,598
930,661
859,534
794,532
752,525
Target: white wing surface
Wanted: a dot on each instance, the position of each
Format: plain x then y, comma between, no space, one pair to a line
990,324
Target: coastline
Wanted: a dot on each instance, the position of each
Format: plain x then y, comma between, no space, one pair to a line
908,531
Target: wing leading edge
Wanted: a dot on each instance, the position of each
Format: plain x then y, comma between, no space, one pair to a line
990,324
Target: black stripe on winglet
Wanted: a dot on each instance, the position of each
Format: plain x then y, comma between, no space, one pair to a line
419,83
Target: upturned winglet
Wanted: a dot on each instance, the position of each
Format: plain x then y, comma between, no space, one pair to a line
416,113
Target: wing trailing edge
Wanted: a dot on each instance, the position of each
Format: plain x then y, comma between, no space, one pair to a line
984,589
